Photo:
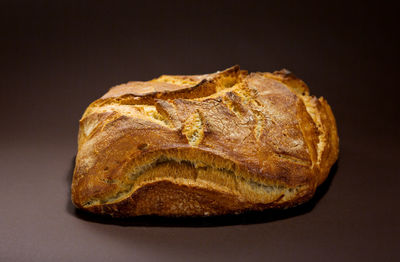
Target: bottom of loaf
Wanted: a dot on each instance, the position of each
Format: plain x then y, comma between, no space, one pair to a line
171,187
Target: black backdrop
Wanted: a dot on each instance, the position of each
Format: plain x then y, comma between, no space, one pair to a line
57,57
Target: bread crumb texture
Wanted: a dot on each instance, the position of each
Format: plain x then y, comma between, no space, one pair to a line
201,145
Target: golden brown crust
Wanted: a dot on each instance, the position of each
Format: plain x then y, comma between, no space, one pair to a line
203,145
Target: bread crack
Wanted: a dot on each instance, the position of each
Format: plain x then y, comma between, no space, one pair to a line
193,129
259,124
203,174
234,103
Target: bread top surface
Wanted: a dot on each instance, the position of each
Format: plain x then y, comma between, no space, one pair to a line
259,128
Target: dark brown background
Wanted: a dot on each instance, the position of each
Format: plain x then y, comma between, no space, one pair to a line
58,57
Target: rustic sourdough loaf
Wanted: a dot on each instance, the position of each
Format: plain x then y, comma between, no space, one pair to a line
199,145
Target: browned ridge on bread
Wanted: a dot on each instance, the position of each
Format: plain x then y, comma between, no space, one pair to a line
195,145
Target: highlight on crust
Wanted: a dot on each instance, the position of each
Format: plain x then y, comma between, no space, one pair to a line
197,145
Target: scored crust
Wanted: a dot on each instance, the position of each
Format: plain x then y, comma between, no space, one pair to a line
198,145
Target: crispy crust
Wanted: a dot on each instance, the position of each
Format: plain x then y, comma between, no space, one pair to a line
203,145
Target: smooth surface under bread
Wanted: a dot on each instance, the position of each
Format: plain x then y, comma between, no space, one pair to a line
203,145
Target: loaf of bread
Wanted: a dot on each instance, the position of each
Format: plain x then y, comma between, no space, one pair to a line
200,145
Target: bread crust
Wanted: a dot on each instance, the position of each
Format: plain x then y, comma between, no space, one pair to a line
200,145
